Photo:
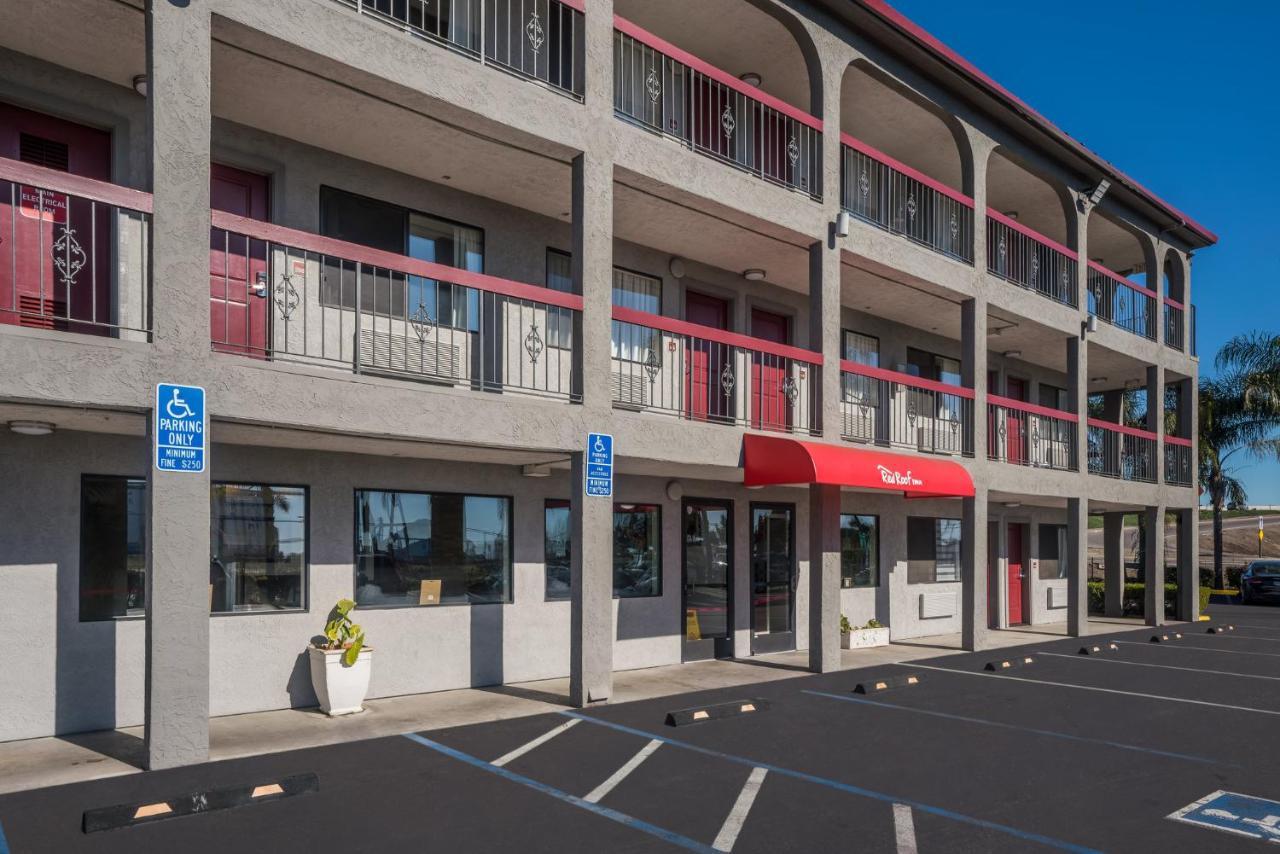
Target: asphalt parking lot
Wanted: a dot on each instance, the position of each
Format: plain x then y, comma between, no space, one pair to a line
1069,752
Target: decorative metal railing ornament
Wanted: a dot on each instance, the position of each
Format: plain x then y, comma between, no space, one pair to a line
898,410
1028,259
1120,302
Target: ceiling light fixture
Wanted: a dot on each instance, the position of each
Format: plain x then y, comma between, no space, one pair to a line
1011,214
31,428
1013,354
140,84
754,274
751,78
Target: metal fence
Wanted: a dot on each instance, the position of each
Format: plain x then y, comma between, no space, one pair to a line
703,374
288,295
1124,304
1018,255
1173,320
1177,461
1028,435
887,408
74,254
886,196
714,113
540,40
1122,452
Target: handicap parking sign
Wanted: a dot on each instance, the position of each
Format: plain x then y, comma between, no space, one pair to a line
180,428
1242,815
598,480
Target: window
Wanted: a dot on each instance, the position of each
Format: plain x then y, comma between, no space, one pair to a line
408,544
1053,551
933,550
931,366
1053,397
862,349
560,278
637,550
642,293
113,557
391,228
257,547
859,551
864,391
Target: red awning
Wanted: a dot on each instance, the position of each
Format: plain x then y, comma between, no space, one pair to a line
776,460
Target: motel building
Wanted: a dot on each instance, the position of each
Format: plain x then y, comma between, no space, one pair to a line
871,337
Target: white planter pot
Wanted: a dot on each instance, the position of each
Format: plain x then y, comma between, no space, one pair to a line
339,688
864,638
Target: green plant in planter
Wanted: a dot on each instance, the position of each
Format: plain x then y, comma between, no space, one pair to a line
873,623
845,627
341,633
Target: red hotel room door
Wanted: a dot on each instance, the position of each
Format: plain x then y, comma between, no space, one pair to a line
770,409
239,290
704,394
1016,559
55,266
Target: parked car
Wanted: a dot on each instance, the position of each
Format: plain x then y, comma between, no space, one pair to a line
1260,582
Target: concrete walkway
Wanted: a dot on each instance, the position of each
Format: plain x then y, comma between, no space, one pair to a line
40,762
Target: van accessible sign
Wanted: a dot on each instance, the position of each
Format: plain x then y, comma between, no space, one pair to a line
181,428
599,474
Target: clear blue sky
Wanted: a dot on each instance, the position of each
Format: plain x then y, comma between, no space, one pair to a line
1179,94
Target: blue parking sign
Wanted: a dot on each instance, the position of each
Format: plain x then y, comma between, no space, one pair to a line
1242,815
180,428
598,478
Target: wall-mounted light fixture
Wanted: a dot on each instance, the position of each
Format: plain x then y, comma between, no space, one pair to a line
1099,191
140,84
677,268
842,224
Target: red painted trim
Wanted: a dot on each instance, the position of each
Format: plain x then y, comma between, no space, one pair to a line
74,185
720,336
1178,440
904,379
933,45
1169,301
897,165
1119,279
308,242
992,213
1032,408
580,5
1120,428
685,58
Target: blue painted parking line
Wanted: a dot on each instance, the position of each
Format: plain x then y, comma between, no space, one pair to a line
844,787
4,843
507,774
1033,730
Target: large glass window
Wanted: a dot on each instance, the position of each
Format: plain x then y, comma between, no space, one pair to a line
1053,397
642,293
637,550
113,558
862,349
257,547
931,366
933,550
417,548
560,278
1053,551
859,550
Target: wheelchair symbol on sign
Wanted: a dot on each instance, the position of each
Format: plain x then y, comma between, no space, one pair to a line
598,447
177,407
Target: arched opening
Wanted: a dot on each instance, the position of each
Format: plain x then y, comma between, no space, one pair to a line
1120,282
905,164
1174,290
1030,239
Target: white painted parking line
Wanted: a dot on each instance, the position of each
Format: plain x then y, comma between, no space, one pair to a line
621,774
1095,688
1163,666
1268,628
1248,637
525,748
904,829
1202,648
738,815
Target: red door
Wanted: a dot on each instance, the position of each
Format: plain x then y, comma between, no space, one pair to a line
770,409
239,292
55,250
1016,431
706,360
1016,617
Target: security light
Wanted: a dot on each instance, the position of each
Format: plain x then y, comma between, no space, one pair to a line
1099,191
842,224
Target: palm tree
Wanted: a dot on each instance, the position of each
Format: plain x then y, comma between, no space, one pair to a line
1239,414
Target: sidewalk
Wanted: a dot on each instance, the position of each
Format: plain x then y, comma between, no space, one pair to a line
40,762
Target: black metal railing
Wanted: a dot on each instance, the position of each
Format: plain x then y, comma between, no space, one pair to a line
1121,303
1121,452
1173,325
1018,255
885,407
1028,435
1177,461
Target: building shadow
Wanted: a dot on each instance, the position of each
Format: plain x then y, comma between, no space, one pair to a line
112,743
773,665
527,694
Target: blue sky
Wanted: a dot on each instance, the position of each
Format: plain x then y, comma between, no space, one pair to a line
1180,95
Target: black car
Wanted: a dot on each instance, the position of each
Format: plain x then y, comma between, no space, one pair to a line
1260,582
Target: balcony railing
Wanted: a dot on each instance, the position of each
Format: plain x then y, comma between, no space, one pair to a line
74,253
283,294
665,89
540,40
665,365
1029,259
1173,320
1192,332
889,408
1116,300
1122,452
1028,435
891,195
1177,461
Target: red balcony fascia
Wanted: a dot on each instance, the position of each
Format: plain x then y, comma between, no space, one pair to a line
905,379
1128,283
74,185
992,213
1121,428
898,166
579,5
719,336
1032,408
685,58
1178,440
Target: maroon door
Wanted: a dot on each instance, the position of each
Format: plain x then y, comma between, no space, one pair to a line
239,293
1016,617
770,409
1016,427
706,360
55,250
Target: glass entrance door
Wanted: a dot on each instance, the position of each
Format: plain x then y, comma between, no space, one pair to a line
708,579
773,578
